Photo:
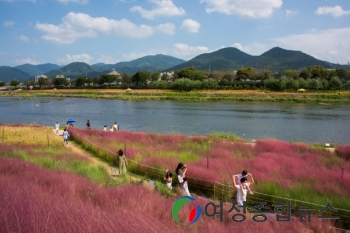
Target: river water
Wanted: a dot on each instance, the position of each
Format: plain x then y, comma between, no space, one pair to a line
284,121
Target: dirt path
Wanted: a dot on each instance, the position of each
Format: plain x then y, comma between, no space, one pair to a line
74,147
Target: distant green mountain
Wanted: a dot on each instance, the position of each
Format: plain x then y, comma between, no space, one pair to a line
226,59
7,74
278,59
34,70
72,70
47,67
152,63
223,59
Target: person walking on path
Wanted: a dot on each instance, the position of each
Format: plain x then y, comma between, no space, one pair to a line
65,136
88,124
122,162
168,179
242,190
180,172
57,127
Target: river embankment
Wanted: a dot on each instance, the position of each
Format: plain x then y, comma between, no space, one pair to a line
209,95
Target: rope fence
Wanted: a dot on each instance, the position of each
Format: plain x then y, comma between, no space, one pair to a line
211,190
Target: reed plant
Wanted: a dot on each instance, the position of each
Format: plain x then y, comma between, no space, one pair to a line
295,170
33,199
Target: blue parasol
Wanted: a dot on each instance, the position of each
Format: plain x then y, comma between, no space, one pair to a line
71,120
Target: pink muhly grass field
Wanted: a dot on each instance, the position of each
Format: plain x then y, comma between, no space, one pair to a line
33,199
288,165
344,151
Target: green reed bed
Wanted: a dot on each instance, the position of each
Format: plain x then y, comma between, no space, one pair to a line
24,143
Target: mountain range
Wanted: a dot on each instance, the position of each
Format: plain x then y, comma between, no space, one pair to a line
226,59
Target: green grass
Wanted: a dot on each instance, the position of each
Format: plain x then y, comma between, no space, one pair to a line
223,135
53,159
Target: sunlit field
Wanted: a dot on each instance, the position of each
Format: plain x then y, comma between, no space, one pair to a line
295,171
46,187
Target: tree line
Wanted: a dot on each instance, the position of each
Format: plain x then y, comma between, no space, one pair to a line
187,79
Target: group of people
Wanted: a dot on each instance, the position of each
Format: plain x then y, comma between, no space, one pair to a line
241,182
65,132
114,127
181,177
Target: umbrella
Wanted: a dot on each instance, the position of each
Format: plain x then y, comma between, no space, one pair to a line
71,120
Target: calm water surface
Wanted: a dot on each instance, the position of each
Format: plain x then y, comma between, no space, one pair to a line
285,121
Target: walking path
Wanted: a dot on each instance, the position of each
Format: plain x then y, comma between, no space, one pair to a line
90,156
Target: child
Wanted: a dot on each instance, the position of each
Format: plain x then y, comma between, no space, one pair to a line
185,186
65,136
168,179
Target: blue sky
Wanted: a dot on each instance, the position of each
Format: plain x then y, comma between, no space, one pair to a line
111,31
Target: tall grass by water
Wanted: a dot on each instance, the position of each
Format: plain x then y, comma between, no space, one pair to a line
291,170
35,199
38,145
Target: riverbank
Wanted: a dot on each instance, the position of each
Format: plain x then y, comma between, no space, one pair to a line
200,96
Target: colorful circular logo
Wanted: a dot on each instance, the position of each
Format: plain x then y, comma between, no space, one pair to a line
195,212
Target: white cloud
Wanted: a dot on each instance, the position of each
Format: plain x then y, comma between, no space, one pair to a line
24,39
167,28
247,8
186,51
162,8
78,25
74,1
107,59
8,24
335,11
191,25
327,45
75,58
290,13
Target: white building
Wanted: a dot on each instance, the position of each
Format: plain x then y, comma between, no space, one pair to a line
39,77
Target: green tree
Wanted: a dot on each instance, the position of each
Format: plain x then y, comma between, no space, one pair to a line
199,75
335,83
289,73
315,84
59,82
282,83
165,77
341,73
42,82
347,85
155,76
159,84
80,81
2,84
14,83
140,78
245,73
188,72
